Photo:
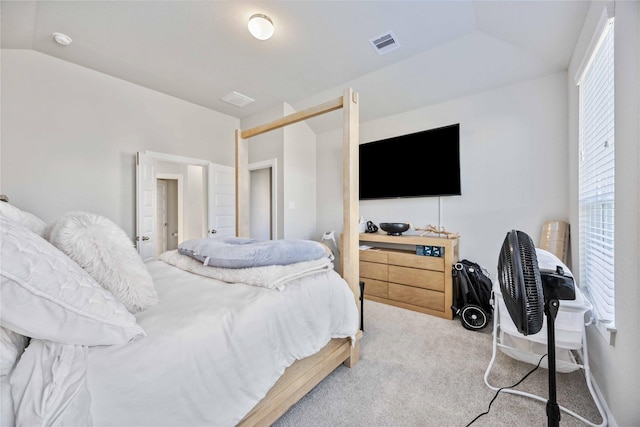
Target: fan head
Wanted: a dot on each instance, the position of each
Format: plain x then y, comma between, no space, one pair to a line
521,283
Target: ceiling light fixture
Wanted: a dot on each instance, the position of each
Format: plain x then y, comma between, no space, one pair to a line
62,39
260,26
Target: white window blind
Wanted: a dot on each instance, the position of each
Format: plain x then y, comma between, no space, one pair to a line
597,176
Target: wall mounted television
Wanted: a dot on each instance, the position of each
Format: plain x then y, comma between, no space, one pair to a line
420,164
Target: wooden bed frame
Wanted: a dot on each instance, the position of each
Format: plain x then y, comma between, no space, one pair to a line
305,374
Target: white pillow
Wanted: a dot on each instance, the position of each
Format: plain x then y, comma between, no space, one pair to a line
44,294
23,218
105,252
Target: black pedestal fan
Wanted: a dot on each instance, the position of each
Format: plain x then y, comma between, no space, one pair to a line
528,293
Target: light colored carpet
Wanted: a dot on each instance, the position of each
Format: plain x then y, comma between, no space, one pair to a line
420,370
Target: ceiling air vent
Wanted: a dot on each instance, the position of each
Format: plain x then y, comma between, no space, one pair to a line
237,99
385,42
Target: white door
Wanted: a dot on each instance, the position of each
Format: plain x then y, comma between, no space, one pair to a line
221,200
163,217
146,206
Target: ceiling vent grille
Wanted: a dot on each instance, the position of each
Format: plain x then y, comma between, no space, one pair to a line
237,99
385,43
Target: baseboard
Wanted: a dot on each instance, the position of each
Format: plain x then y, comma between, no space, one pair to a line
611,422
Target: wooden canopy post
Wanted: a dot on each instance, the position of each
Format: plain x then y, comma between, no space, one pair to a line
242,185
350,201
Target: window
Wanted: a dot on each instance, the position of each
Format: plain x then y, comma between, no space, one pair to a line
597,175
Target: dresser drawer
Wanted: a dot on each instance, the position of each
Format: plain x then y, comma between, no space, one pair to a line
374,270
374,256
375,287
417,296
427,279
415,261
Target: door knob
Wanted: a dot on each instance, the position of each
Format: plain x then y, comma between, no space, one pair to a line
213,231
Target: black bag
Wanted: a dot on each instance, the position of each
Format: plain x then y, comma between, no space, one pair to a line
478,283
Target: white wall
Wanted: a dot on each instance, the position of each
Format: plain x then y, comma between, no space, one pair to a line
513,149
194,199
615,367
299,180
69,136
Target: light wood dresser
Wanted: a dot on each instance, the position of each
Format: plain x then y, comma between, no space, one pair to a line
394,274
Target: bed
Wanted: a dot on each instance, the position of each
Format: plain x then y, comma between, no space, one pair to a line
195,351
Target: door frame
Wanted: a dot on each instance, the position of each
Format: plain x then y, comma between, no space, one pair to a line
273,165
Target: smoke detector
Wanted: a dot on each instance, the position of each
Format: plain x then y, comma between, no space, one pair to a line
385,43
62,39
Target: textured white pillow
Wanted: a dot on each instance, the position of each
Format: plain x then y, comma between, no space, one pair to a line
105,252
44,294
23,218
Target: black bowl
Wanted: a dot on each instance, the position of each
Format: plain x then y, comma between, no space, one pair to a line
394,228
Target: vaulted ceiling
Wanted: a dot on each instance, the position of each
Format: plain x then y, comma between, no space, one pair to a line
200,51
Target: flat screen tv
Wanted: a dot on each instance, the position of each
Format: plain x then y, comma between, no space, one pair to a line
421,164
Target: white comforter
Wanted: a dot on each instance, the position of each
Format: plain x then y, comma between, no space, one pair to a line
212,352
